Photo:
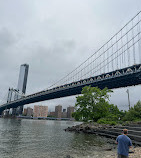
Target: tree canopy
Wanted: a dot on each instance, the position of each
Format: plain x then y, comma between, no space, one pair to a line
134,114
93,104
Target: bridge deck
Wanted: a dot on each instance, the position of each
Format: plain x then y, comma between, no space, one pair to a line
121,78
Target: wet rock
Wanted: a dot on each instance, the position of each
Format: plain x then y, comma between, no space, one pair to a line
107,149
68,156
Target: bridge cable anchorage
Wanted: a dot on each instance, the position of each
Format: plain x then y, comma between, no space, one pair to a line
114,50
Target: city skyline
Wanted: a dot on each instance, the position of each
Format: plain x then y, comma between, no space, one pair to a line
43,111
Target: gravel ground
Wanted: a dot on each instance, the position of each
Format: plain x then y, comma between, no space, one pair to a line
136,154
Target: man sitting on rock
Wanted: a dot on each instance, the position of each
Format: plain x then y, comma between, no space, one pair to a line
124,143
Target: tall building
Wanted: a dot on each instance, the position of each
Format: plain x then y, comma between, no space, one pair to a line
58,111
64,113
70,110
25,112
23,78
40,111
22,82
29,111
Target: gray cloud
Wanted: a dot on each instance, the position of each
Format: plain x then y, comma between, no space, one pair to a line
54,37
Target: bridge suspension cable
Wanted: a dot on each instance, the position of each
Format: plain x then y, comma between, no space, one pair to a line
122,50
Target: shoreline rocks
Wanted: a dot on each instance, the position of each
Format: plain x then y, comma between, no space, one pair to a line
91,128
98,129
108,131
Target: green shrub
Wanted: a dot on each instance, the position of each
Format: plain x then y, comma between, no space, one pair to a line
105,121
112,117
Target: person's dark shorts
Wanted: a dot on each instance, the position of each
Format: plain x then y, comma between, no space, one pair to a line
122,156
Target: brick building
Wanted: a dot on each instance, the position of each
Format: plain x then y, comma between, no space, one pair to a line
58,111
40,111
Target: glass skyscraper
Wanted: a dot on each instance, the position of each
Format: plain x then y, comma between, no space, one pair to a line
23,78
22,82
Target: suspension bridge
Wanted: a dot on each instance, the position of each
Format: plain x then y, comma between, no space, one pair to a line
116,64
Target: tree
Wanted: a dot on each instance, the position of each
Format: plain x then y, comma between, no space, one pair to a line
93,104
134,113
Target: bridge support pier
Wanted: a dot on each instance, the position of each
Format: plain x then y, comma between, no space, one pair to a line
19,110
6,113
14,111
1,112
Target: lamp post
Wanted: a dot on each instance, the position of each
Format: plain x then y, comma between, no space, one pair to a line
128,98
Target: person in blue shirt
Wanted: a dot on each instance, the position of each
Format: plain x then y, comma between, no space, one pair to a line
124,143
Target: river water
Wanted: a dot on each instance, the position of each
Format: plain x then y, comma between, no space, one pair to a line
25,138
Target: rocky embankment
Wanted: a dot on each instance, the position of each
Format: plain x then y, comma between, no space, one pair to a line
134,130
92,128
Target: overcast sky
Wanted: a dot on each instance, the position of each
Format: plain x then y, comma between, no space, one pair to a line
54,37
